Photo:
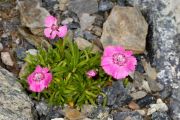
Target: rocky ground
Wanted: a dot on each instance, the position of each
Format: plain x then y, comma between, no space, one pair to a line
149,28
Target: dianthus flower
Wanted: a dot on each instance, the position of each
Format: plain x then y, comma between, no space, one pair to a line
91,73
39,79
117,62
52,29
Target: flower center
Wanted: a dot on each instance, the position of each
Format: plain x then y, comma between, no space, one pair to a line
38,76
119,59
54,27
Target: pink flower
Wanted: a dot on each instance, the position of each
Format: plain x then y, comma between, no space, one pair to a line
117,62
52,28
39,79
91,73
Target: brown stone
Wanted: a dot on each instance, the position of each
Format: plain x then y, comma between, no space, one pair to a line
133,105
83,44
73,114
127,27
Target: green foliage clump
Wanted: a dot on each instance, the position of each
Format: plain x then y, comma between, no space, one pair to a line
69,65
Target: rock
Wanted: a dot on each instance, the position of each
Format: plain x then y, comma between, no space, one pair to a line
121,2
32,39
166,92
49,4
133,105
6,58
141,112
73,25
83,44
58,119
23,70
6,40
97,30
105,5
83,6
54,112
86,21
78,33
123,30
160,116
63,5
33,16
67,21
70,14
138,95
147,100
159,106
89,36
174,108
42,108
139,67
87,109
100,99
99,112
145,86
122,99
163,43
151,72
176,9
99,20
1,47
73,114
154,86
20,53
117,95
15,104
124,115
32,51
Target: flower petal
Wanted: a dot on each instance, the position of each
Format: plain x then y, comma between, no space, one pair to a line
110,69
38,68
37,87
53,34
120,73
47,32
45,70
30,78
106,61
108,51
50,20
62,31
131,63
47,79
128,53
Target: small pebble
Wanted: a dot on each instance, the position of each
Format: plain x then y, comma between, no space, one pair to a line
159,106
145,86
67,21
105,5
147,100
133,105
32,51
141,112
58,119
6,58
138,95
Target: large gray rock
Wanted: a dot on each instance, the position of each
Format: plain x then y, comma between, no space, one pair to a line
127,27
83,6
32,15
164,41
15,104
176,10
